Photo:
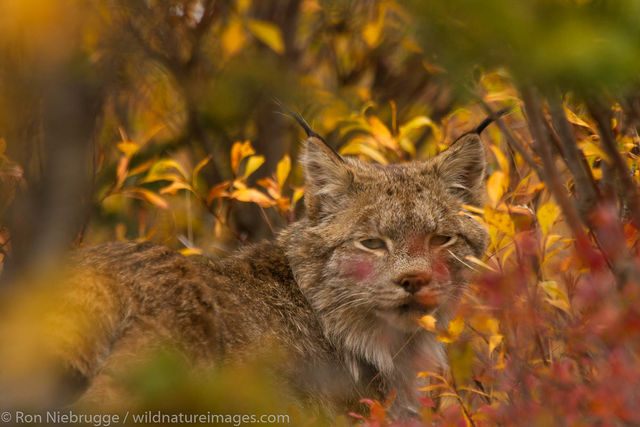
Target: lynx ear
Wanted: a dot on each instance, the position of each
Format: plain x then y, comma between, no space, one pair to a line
462,168
327,175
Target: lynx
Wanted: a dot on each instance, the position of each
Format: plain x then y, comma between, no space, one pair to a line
337,292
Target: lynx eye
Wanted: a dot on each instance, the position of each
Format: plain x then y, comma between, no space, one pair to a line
373,244
440,240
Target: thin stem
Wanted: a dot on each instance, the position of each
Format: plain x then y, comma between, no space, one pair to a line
602,116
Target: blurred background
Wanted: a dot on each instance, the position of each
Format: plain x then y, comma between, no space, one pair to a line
95,93
162,120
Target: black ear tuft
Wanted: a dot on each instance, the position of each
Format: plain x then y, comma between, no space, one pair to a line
304,125
486,122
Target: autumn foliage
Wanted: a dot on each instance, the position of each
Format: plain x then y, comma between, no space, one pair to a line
179,141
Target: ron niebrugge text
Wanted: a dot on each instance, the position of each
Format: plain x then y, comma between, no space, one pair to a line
147,417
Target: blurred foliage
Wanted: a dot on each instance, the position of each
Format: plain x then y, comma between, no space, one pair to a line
582,45
156,120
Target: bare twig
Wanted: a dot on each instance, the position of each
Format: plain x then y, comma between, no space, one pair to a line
573,157
602,116
513,141
551,176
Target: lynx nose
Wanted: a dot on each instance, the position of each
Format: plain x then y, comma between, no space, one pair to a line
412,283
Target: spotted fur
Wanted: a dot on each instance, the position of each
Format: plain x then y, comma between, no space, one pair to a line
335,309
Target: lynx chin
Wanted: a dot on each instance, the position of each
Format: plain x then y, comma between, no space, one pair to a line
337,293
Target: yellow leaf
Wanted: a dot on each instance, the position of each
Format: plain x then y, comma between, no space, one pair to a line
557,297
233,37
240,150
427,374
198,168
501,396
407,145
149,196
484,322
161,167
357,147
3,146
297,195
434,387
428,322
473,209
552,238
500,158
271,186
252,195
142,167
243,6
372,30
128,148
499,220
453,330
153,177
496,186
268,33
417,123
175,186
573,118
191,251
239,185
282,170
473,390
591,149
371,33
253,163
218,191
494,341
381,133
547,215
152,132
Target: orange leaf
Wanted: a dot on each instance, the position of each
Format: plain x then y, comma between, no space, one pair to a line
175,186
122,171
381,133
271,186
239,151
147,195
218,191
254,196
233,37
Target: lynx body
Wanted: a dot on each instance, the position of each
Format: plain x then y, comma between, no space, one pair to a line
337,293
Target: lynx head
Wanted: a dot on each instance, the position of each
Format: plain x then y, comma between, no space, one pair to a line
383,245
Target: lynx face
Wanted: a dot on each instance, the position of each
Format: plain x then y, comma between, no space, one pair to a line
384,245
